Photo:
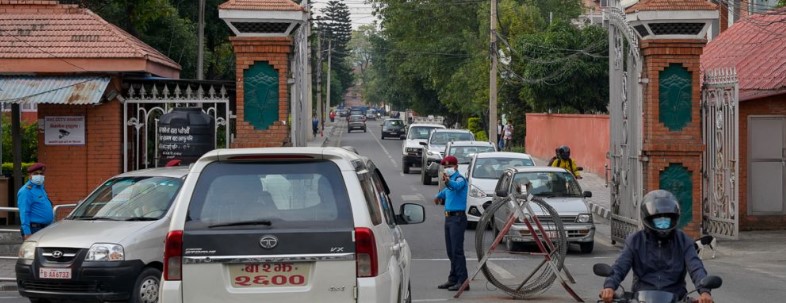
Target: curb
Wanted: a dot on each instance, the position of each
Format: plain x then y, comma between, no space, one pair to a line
599,210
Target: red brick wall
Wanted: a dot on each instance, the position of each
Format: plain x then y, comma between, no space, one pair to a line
661,145
587,136
274,51
773,105
73,171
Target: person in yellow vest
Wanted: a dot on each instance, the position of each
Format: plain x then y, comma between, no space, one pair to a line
563,160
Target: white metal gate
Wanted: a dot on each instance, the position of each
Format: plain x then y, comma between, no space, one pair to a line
625,110
720,167
144,103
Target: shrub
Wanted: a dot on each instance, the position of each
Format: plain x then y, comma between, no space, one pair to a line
8,168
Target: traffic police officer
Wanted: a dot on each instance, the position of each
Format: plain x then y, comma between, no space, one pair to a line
35,208
455,197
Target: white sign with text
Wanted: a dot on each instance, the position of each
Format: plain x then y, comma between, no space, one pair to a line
64,130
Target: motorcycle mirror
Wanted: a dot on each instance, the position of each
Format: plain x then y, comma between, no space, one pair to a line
711,282
602,270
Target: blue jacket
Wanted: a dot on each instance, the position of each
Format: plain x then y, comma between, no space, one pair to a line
658,264
34,206
455,193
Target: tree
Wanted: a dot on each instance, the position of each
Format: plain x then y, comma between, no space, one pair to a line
336,30
170,26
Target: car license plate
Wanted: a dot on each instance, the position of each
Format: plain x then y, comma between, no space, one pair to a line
269,274
54,273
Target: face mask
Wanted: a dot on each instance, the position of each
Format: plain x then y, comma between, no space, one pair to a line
450,171
37,179
662,223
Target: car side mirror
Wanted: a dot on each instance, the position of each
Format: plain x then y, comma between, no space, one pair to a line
423,143
503,193
411,213
587,194
602,270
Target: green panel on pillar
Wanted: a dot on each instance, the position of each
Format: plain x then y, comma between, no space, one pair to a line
676,95
678,180
260,95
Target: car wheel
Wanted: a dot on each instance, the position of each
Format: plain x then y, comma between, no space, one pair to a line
383,137
424,178
146,286
587,247
405,168
38,300
408,298
364,129
472,225
349,130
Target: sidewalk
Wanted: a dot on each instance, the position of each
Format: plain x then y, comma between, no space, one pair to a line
332,130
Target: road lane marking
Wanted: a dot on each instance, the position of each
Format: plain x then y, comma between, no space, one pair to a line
415,197
395,165
502,273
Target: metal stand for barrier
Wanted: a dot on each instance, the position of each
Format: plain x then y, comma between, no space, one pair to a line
547,253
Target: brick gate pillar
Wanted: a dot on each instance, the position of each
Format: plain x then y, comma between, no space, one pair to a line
262,46
673,34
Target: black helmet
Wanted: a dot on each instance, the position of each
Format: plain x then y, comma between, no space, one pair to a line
563,152
660,204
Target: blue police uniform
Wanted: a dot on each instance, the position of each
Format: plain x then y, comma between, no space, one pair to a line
455,196
35,208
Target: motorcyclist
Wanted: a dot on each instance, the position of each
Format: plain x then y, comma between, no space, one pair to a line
563,160
660,254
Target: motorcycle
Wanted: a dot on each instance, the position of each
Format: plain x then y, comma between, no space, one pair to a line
652,296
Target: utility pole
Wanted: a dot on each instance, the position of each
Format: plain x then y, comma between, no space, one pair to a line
327,100
201,41
319,78
493,75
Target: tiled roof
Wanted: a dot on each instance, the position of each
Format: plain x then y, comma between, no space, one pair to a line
270,5
671,5
45,29
755,47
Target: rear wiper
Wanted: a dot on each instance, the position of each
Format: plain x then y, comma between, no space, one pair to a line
256,222
141,219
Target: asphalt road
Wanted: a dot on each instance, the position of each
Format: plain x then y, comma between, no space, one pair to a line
752,276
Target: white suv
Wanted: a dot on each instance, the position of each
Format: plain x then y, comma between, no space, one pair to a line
286,225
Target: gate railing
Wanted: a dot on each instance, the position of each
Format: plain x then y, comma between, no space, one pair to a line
10,210
720,167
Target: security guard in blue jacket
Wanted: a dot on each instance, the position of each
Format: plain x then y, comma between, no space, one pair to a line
35,208
455,197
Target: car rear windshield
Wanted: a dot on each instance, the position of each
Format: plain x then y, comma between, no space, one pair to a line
420,132
394,123
492,168
309,194
355,118
551,184
129,198
464,153
442,138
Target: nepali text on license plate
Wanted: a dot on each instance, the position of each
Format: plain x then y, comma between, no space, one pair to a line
54,273
269,274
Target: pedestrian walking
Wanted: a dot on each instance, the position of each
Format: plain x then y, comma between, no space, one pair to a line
455,197
35,208
332,116
500,143
315,124
508,135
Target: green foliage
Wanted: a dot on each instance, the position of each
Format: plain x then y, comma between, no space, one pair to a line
8,168
29,132
170,26
475,125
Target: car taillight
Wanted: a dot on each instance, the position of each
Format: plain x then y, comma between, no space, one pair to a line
365,252
173,256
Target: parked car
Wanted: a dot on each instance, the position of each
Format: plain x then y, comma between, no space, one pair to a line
109,248
298,224
411,150
356,122
463,151
559,188
435,149
482,175
393,128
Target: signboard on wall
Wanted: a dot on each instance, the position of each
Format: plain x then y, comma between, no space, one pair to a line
64,130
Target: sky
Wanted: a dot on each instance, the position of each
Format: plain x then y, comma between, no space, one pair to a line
360,12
